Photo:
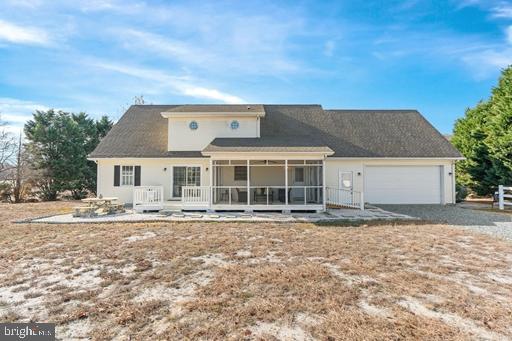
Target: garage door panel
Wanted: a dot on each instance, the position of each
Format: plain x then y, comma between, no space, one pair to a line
403,185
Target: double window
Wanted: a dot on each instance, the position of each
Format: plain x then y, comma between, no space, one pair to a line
184,176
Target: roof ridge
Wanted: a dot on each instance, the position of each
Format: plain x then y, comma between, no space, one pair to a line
374,110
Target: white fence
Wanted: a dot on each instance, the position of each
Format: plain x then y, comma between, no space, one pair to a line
148,198
344,198
504,196
195,196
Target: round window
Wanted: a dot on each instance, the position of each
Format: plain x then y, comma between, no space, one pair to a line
235,125
193,125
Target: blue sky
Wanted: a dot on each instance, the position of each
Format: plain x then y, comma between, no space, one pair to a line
439,57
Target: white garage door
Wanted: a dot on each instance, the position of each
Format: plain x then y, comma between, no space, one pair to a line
403,185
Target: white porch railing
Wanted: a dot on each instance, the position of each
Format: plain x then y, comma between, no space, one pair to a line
148,198
267,195
195,195
344,198
504,196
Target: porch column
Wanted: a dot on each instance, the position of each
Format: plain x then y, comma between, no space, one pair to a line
323,185
286,182
248,183
211,183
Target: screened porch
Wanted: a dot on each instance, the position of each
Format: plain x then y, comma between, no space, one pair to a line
267,183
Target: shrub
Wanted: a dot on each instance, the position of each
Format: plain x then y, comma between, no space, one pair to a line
461,192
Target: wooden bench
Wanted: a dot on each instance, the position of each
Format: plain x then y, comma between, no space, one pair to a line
116,208
84,211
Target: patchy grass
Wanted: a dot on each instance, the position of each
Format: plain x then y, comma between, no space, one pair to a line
253,281
373,222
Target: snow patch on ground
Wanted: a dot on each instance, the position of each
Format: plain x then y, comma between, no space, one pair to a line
75,330
433,298
29,298
145,235
374,310
308,319
458,279
176,294
349,279
465,325
214,259
27,308
281,332
269,258
83,278
500,278
244,253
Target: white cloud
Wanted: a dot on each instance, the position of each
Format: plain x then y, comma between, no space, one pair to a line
200,92
17,112
22,34
29,4
114,6
182,51
502,10
508,32
180,85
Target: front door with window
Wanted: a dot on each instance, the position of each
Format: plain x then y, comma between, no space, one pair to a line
184,176
346,179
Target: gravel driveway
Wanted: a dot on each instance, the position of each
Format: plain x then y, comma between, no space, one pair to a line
498,224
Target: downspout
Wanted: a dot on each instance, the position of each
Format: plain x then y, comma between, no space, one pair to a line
323,185
454,194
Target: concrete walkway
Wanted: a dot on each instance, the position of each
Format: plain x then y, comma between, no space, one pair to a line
330,215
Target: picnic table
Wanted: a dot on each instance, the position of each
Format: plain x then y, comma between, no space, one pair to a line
95,206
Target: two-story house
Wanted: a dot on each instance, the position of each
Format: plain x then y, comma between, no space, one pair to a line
273,157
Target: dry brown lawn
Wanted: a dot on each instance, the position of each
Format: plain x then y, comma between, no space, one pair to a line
253,281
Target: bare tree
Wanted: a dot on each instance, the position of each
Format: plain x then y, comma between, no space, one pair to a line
138,100
7,147
21,174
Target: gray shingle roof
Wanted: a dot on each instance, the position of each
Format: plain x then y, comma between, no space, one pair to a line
217,108
142,132
267,144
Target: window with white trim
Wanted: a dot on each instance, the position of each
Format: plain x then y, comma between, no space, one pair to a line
240,173
127,175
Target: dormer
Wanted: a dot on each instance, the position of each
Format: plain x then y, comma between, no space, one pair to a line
193,127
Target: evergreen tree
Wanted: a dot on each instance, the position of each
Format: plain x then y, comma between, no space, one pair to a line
484,137
58,143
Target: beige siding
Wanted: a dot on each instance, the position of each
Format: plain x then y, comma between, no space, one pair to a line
334,166
182,138
152,174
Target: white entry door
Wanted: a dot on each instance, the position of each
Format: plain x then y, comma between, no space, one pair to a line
346,180
403,184
298,179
